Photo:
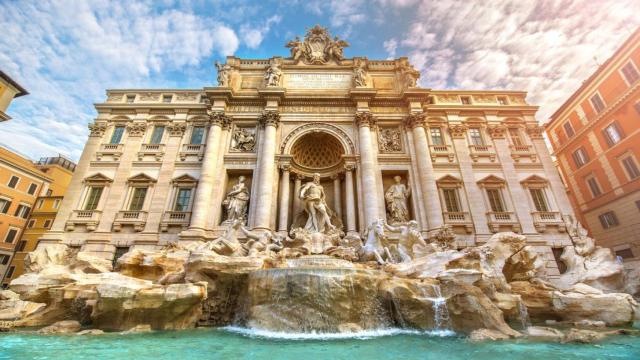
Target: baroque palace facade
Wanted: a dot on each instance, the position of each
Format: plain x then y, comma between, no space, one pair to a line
171,165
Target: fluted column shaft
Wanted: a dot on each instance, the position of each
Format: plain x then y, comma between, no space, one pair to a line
365,120
269,121
202,200
284,199
350,199
425,169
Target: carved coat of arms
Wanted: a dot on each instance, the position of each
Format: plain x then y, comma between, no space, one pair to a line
317,47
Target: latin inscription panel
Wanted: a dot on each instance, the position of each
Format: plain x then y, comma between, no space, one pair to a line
317,81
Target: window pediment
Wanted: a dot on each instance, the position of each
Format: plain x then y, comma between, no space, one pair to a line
98,179
449,181
491,181
185,180
534,181
141,179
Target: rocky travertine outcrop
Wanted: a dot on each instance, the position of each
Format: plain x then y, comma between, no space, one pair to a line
61,327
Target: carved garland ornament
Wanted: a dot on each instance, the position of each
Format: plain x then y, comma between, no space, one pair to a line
497,131
535,132
177,129
136,129
97,129
457,131
270,117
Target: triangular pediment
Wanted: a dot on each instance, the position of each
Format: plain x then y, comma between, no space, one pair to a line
448,179
141,178
491,179
184,179
98,178
534,179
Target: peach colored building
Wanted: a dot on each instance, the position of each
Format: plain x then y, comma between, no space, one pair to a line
595,135
9,89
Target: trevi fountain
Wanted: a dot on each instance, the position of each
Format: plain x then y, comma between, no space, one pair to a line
368,254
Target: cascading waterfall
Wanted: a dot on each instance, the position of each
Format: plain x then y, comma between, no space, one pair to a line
523,314
440,310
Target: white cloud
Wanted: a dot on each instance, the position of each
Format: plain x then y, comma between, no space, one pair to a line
391,46
253,36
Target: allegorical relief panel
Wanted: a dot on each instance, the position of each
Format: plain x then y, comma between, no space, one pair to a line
243,139
389,140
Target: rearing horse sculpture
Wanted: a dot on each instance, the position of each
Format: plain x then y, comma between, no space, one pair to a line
374,248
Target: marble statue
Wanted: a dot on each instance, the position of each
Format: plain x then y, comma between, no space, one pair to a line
227,244
360,75
313,198
224,72
236,201
374,247
411,245
409,74
262,242
396,198
390,140
297,48
243,140
273,75
317,47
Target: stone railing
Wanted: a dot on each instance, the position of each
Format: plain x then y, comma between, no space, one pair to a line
114,150
478,151
542,219
155,150
175,218
437,151
496,219
459,219
192,150
88,218
519,151
137,218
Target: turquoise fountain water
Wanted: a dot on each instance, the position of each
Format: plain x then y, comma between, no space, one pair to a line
238,343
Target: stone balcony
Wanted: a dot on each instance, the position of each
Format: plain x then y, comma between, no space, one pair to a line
441,151
459,219
135,218
482,151
88,218
503,219
175,218
192,150
542,219
109,150
156,151
522,151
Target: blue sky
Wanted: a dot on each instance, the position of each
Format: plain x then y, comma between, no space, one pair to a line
66,53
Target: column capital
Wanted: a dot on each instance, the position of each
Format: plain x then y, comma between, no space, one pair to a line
270,118
285,166
535,132
97,129
136,128
457,131
364,118
336,176
349,167
299,176
219,118
412,121
497,131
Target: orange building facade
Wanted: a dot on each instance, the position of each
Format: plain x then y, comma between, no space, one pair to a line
595,135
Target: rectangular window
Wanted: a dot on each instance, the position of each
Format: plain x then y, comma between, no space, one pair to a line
167,98
4,205
10,272
495,200
630,73
4,259
476,136
39,203
32,189
594,187
137,199
631,167
182,200
197,135
13,182
93,199
21,245
130,99
502,100
49,192
436,136
156,136
47,224
568,129
451,200
580,157
31,223
608,220
624,253
612,134
11,236
56,203
22,211
597,103
116,136
539,199
516,139
465,100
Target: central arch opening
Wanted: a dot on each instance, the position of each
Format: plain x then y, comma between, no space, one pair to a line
317,152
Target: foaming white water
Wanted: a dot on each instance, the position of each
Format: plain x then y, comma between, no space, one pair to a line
365,334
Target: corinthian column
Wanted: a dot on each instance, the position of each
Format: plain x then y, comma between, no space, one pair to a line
284,198
364,121
269,120
430,197
337,195
350,200
202,201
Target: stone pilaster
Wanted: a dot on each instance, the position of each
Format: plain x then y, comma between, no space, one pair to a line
364,121
337,195
266,161
415,123
350,199
284,198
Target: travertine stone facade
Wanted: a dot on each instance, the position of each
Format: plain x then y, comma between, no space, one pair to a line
159,163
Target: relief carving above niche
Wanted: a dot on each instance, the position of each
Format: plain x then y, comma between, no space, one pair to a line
243,139
317,47
389,140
